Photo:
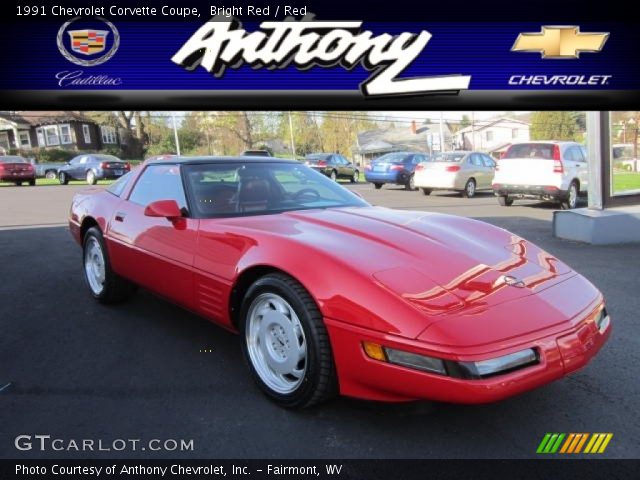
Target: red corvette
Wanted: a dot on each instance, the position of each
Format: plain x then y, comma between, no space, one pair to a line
331,295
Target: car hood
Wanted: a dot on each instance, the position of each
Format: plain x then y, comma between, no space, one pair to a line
438,263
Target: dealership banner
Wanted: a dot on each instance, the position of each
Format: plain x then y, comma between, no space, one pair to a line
302,53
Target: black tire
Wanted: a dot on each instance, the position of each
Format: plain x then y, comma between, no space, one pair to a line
51,175
469,189
32,182
505,200
319,382
571,200
91,177
63,178
18,184
115,288
356,177
426,191
410,185
378,186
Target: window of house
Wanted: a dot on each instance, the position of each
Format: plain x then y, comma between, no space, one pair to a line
51,135
108,135
488,135
65,134
23,140
86,133
40,135
514,133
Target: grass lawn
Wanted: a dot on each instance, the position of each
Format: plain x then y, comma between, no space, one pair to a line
625,182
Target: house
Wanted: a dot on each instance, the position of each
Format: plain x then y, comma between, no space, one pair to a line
25,131
491,136
373,143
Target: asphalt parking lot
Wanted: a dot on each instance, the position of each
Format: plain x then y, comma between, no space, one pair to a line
74,369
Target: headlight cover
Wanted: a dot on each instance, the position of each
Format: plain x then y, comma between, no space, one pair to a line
418,362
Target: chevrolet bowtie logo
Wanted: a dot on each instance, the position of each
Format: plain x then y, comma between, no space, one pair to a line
560,42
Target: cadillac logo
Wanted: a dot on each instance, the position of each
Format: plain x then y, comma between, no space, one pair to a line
88,43
513,281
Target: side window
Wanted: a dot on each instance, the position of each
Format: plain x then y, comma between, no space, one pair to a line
417,159
75,161
343,161
476,160
331,160
488,161
159,182
83,160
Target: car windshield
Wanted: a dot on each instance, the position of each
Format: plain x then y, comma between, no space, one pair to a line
316,158
449,157
107,158
239,188
12,159
543,151
391,157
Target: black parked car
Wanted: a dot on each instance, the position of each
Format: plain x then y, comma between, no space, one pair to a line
93,167
333,165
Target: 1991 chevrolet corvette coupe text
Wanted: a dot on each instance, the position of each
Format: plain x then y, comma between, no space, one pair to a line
331,295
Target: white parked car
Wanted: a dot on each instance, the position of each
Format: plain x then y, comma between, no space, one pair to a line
465,172
547,170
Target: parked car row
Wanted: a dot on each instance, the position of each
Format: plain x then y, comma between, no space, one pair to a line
547,170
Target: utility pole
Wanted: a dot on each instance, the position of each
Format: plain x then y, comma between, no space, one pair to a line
293,145
441,134
175,132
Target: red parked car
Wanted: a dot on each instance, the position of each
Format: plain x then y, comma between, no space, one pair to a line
331,295
16,170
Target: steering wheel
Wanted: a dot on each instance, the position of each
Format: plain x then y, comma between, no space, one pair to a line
306,191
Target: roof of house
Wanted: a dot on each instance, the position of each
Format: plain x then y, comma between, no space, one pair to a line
384,139
482,124
33,119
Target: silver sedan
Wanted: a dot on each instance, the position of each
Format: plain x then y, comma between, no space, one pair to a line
465,172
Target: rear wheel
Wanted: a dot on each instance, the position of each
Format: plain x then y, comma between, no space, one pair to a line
63,178
286,344
356,177
91,177
571,201
334,175
505,200
50,175
104,284
469,188
410,185
378,186
426,191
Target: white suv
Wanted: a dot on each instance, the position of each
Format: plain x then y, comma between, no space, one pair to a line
548,170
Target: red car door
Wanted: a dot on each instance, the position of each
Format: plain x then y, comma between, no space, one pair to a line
153,252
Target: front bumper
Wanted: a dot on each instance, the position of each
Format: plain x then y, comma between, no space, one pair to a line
560,353
530,191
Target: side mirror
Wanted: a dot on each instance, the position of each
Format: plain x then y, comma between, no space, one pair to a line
168,209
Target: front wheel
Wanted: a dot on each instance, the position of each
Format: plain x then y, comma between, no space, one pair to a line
91,177
377,186
469,188
63,178
104,284
505,200
286,344
571,201
410,185
356,177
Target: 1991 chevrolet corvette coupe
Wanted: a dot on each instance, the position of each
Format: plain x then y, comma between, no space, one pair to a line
331,295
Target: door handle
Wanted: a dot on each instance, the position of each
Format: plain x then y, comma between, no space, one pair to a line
120,216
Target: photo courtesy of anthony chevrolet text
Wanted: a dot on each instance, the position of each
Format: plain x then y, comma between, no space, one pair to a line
319,239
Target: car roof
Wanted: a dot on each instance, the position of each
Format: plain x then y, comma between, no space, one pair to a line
183,160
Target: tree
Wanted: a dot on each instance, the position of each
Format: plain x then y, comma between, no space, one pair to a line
554,126
465,121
